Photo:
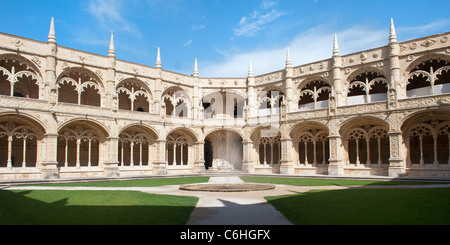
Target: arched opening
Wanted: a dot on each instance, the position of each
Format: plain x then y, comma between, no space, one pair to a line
134,147
223,104
366,87
79,87
180,149
314,95
270,101
225,150
18,79
427,140
366,141
176,102
80,145
133,96
429,77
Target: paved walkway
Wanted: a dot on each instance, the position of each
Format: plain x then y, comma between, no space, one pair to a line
228,208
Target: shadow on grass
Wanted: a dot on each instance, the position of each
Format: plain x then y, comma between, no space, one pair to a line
93,208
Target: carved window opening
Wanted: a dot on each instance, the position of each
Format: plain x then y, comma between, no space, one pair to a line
177,150
176,103
314,95
368,146
428,78
134,149
133,97
367,87
78,147
270,150
428,144
270,102
313,148
80,88
18,79
18,146
223,104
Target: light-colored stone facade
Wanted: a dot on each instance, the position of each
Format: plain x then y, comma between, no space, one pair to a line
380,112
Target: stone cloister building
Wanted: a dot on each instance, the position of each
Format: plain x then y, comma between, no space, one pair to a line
380,112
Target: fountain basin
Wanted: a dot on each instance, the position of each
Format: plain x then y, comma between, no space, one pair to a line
241,187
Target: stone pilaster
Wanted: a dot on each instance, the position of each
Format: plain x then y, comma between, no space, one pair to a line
336,163
50,164
199,164
111,166
160,166
247,165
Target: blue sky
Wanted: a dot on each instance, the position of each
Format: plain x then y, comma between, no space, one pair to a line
223,34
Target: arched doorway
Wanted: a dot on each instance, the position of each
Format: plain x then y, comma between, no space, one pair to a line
223,150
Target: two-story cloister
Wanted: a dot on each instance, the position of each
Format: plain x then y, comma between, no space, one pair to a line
380,112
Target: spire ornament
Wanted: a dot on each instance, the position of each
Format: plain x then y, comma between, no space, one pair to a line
195,68
392,34
111,51
51,33
158,59
250,69
335,46
288,58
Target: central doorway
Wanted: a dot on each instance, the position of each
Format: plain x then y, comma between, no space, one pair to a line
223,151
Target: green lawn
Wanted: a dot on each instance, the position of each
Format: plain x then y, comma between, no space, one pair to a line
367,207
52,207
324,182
360,206
136,183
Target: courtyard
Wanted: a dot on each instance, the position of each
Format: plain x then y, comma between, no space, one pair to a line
293,201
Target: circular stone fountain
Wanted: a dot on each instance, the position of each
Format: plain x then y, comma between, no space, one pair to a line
241,187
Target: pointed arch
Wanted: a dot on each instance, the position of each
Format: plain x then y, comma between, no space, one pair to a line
365,85
19,77
81,86
176,101
134,95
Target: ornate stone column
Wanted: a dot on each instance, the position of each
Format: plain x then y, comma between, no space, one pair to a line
336,163
199,164
286,166
50,164
397,163
337,150
111,166
160,166
397,159
247,165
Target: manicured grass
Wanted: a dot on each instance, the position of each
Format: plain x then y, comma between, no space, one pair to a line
54,207
136,183
323,182
367,207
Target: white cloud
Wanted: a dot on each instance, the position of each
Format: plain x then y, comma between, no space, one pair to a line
109,13
255,21
312,45
187,43
423,29
198,27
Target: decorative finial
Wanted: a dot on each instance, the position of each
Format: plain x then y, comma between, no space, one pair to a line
392,35
288,58
195,68
250,69
111,51
51,33
158,59
335,46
